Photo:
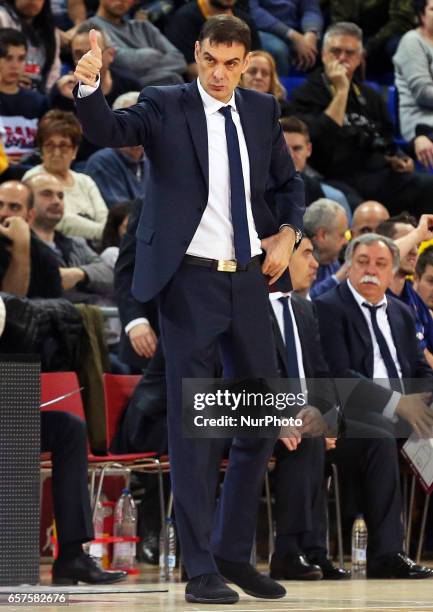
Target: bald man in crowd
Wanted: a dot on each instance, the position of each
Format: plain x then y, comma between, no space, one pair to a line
367,217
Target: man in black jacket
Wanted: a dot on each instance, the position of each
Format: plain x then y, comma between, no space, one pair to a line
351,131
28,268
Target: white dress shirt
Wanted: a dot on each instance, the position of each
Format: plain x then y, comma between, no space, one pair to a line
380,373
278,310
214,236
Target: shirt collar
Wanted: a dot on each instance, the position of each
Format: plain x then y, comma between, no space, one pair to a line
276,295
212,105
361,300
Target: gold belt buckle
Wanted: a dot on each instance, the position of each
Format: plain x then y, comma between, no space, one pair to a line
227,265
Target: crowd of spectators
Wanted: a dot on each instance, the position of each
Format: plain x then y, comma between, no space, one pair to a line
65,205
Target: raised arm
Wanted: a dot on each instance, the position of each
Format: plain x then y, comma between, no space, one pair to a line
133,126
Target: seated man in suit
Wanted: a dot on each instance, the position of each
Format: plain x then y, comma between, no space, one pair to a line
365,335
365,456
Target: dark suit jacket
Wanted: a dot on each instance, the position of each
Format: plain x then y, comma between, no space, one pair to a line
171,125
321,389
347,346
129,307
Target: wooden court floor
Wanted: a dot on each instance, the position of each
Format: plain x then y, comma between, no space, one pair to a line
351,596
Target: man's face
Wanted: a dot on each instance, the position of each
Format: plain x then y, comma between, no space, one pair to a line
346,50
329,242
407,263
14,201
116,8
303,267
424,285
220,68
48,205
80,45
300,149
12,66
371,270
367,218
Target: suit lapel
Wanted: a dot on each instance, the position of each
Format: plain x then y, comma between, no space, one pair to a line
249,123
279,340
359,327
196,119
397,332
302,323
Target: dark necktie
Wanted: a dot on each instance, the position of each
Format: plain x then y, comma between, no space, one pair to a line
394,379
289,336
238,204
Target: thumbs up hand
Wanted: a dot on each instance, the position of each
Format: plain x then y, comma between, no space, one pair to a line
89,66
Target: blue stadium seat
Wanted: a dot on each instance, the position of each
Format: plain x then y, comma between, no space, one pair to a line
291,83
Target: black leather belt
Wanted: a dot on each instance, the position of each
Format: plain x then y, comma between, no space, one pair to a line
221,265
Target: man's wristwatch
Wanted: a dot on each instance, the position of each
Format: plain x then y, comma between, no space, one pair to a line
298,233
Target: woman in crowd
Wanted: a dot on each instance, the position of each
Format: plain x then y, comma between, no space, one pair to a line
261,75
414,79
35,20
58,137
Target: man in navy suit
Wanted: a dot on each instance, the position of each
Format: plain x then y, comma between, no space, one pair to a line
213,151
369,338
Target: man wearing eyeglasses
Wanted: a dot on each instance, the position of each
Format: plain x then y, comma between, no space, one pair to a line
351,131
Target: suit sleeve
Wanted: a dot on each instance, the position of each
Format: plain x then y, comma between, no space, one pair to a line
287,184
132,126
129,307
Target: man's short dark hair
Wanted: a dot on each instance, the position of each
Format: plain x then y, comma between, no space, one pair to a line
293,125
11,38
387,228
424,260
226,30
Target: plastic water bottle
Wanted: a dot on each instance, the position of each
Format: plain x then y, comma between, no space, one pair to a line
169,551
359,548
96,548
125,525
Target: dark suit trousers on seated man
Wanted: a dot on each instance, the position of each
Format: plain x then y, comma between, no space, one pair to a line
367,462
370,344
210,162
65,437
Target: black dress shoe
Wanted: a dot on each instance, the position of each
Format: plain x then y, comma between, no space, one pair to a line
329,571
397,565
250,580
83,569
209,589
294,568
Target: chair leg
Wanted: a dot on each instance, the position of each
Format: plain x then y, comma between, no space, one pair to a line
271,537
410,514
404,510
338,514
422,530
